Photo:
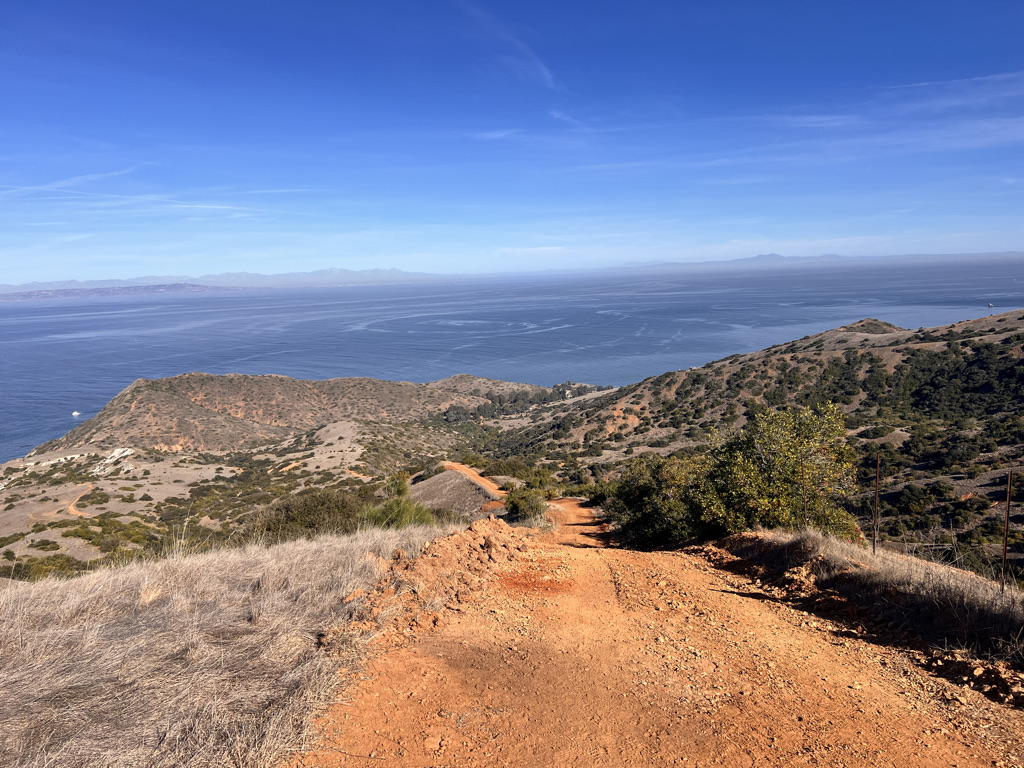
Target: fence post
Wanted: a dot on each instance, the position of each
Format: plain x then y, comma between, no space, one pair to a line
803,491
874,526
1006,530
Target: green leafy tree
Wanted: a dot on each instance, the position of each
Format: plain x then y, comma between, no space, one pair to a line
784,470
661,502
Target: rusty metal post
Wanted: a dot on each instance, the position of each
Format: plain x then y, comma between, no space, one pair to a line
874,526
1006,530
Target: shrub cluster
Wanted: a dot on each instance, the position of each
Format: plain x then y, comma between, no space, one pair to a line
523,504
786,469
322,511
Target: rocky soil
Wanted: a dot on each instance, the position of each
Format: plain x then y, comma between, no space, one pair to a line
513,647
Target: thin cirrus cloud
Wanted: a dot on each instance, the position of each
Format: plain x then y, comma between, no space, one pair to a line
113,204
818,121
518,57
916,119
579,125
503,133
960,94
73,181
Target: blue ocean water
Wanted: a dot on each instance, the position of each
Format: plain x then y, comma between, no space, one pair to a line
60,356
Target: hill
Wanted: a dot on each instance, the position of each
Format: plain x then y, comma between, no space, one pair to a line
770,648
875,371
942,407
203,412
194,455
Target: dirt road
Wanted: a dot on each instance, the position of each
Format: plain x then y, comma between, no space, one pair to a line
75,510
475,476
580,655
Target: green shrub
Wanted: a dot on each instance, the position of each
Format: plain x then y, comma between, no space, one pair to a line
305,515
45,545
398,512
524,503
784,470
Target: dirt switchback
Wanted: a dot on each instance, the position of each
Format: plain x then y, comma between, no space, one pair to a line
576,654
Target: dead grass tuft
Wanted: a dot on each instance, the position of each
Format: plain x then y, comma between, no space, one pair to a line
945,606
211,659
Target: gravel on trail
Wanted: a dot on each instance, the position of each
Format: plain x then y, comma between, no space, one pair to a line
553,649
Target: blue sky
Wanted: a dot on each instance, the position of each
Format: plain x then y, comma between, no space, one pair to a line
460,136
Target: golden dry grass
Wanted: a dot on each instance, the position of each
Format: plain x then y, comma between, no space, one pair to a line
196,660
946,606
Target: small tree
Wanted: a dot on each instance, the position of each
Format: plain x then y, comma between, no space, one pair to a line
398,509
786,469
661,502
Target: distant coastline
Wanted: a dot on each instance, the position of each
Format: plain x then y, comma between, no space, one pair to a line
338,277
119,290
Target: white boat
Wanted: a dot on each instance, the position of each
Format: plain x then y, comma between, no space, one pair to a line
75,413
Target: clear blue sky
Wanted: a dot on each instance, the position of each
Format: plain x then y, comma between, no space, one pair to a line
461,136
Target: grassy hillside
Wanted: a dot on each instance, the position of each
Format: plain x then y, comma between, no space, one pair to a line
193,458
202,412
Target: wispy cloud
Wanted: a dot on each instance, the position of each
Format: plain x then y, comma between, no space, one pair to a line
963,95
566,118
73,181
817,121
519,58
956,116
284,191
502,133
112,203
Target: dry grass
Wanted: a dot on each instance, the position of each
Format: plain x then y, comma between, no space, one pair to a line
945,606
197,660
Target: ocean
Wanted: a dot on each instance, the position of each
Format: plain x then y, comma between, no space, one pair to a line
64,355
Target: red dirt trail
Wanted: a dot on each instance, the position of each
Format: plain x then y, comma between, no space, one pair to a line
575,654
475,476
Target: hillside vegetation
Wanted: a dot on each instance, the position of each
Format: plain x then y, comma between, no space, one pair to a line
942,407
196,456
292,496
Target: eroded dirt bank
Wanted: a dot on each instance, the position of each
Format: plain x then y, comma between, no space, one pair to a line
574,654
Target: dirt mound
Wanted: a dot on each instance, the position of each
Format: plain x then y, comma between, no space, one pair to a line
448,573
453,491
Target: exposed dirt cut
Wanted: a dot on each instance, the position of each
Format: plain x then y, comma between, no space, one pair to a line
577,654
454,491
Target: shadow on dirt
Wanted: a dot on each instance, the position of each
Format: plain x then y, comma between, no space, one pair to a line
993,679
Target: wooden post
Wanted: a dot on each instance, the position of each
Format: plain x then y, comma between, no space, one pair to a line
1006,530
874,527
803,489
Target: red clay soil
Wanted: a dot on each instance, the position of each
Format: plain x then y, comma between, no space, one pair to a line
475,476
569,653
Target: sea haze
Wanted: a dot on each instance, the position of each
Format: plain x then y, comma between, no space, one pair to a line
61,356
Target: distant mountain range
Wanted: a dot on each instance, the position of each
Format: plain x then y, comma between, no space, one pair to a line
151,283
324,278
